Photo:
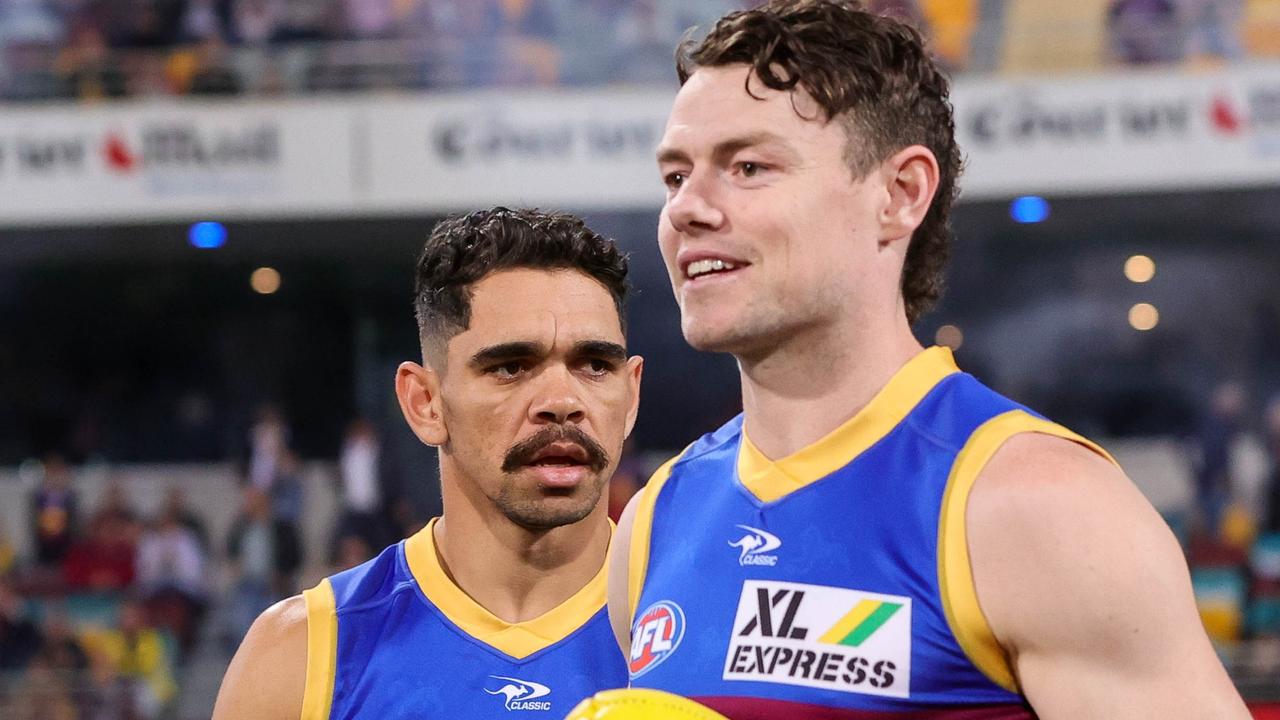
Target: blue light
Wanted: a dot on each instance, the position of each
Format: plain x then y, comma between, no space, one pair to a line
1029,209
207,235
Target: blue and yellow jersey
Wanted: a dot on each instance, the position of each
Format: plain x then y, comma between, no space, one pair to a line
396,638
835,582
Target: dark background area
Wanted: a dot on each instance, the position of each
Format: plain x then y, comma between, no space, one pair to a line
128,344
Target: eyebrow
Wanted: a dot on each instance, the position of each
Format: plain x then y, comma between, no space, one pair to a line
726,148
505,351
520,350
602,349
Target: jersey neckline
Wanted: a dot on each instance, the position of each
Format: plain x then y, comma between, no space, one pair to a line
770,480
518,640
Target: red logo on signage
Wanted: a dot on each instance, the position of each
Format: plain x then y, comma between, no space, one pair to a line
1226,118
656,634
118,155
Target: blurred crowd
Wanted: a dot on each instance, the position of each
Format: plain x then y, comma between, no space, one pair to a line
92,49
96,622
1232,535
1171,31
102,617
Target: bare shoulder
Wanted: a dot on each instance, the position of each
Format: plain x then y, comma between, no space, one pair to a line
267,676
621,570
1085,587
620,574
1059,465
1050,513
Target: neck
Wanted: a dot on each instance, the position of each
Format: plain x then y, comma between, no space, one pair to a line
804,388
513,572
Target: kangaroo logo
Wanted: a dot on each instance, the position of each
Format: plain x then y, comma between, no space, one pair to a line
521,694
754,545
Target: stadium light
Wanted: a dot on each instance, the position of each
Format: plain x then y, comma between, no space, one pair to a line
1139,268
207,235
1143,317
1029,209
949,336
265,280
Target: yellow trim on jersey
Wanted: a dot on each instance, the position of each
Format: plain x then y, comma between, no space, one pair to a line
955,574
770,480
641,531
322,651
519,640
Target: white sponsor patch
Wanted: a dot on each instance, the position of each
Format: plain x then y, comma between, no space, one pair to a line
821,637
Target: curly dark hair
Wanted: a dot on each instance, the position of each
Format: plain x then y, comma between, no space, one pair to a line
464,249
873,75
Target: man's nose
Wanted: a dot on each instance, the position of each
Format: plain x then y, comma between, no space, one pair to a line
558,400
694,207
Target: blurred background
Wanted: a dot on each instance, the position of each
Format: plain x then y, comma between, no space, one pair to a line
210,212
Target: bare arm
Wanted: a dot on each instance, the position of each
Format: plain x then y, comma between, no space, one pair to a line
266,678
619,570
1086,588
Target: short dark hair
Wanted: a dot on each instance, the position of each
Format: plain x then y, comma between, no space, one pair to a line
464,249
868,71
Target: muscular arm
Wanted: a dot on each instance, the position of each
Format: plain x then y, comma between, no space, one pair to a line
1085,587
266,678
619,567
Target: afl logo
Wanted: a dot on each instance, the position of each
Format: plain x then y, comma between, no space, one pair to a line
655,635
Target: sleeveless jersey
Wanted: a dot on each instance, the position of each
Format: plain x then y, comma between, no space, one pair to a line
395,638
834,583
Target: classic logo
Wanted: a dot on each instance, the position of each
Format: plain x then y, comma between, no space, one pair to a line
822,637
521,694
754,545
655,635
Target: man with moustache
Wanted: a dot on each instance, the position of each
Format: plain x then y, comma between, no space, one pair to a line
498,605
878,535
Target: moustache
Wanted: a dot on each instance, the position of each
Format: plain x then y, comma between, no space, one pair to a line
523,452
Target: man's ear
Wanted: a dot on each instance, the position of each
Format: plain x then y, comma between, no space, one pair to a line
911,179
418,390
634,370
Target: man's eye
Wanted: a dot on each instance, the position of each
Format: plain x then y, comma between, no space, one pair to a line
673,180
598,366
506,370
749,169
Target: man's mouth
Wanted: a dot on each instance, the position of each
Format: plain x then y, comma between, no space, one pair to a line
708,267
560,454
558,461
697,265
558,447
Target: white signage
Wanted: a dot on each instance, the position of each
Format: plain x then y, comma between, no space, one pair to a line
1137,132
147,162
584,150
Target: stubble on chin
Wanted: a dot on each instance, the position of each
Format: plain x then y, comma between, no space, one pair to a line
538,510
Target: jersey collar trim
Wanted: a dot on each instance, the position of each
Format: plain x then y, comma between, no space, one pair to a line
770,480
519,640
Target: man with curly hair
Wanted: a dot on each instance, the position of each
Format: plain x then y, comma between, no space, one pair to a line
498,605
878,535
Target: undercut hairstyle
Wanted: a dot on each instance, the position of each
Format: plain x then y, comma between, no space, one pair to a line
868,72
462,250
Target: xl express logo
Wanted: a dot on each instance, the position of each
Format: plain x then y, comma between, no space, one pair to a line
655,636
821,637
521,694
754,546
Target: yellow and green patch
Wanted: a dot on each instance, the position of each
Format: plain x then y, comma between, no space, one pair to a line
860,623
